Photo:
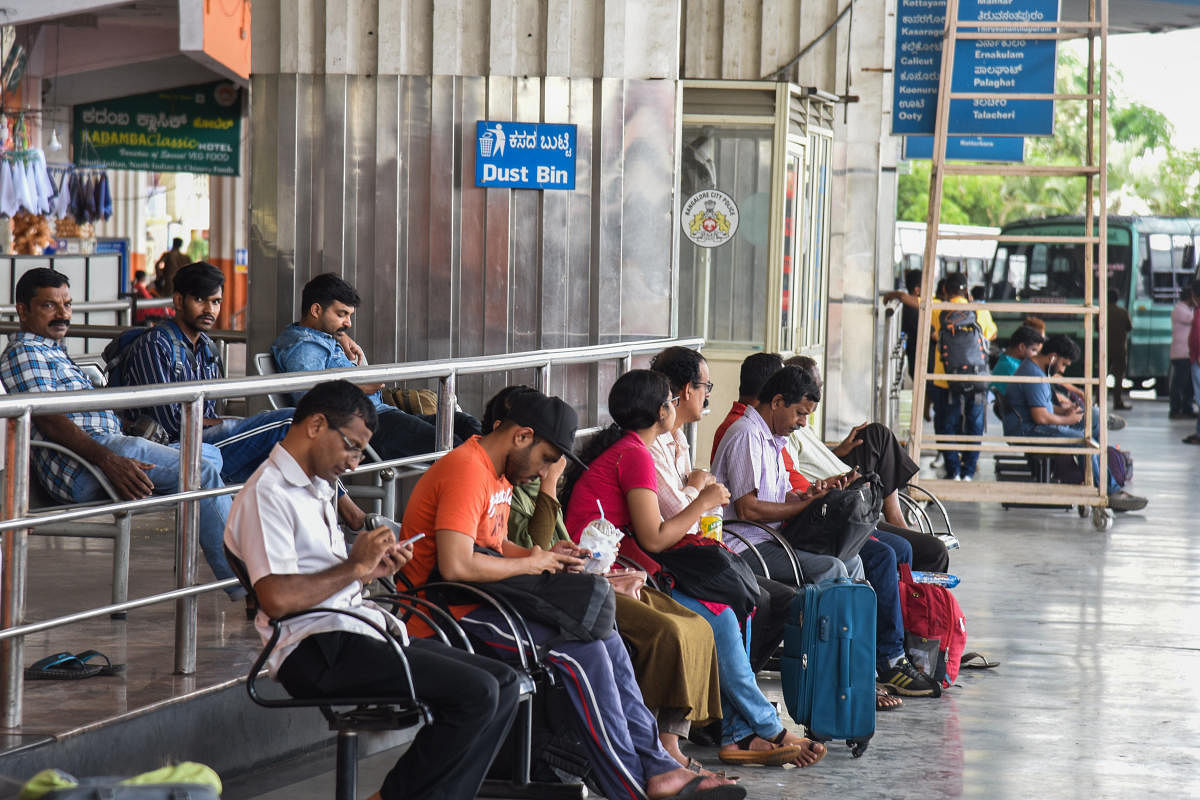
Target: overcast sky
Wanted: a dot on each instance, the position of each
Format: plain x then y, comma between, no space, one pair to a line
1159,71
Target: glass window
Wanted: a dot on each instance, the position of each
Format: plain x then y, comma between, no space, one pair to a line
791,249
815,272
723,290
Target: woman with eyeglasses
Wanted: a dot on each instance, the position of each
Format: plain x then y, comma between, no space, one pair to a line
622,478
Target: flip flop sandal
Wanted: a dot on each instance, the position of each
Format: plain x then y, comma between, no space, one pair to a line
60,667
107,668
884,701
695,766
974,660
1193,439
777,756
693,791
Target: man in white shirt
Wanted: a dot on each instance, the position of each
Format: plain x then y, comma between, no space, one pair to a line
679,484
284,528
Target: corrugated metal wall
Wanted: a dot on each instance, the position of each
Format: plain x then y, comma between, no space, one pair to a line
370,174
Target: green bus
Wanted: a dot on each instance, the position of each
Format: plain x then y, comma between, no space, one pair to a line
1150,260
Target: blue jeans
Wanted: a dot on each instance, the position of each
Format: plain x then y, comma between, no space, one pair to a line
246,442
744,709
880,559
1196,390
959,414
815,567
1182,393
1076,432
165,475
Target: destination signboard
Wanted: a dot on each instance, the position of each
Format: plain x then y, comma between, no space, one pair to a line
1008,149
1000,66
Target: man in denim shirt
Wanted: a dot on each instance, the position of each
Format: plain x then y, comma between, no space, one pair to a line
35,361
180,350
320,341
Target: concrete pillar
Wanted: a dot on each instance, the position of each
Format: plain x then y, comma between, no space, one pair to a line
228,199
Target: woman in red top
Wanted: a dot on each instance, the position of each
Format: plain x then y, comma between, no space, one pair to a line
621,477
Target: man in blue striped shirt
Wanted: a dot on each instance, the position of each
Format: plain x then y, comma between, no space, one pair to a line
180,350
35,361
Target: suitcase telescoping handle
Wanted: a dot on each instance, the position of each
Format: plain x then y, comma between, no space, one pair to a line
844,661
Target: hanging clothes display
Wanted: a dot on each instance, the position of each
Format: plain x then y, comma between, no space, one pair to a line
25,182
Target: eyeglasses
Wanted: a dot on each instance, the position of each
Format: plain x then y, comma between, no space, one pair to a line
673,401
355,450
708,386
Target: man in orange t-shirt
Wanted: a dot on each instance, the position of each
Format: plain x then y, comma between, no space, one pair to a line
461,505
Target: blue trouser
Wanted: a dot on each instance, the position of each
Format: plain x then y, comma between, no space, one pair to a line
880,557
246,442
1196,390
616,727
744,709
955,414
1076,432
165,476
1182,393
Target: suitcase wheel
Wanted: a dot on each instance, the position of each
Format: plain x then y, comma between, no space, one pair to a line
857,746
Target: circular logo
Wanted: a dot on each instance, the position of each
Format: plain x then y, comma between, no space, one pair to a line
709,218
226,94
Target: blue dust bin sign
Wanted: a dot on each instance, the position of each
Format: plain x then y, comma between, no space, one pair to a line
524,155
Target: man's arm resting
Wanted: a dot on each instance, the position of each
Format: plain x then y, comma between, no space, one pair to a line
283,594
749,507
127,475
1041,416
458,561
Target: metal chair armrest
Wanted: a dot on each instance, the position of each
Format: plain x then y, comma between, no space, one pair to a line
797,571
526,649
95,471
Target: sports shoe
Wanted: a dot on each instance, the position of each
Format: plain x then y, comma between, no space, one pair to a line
905,679
1124,501
1115,422
967,478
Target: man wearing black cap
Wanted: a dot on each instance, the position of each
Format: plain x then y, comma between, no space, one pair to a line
461,505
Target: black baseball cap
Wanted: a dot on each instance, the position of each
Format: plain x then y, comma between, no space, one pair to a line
549,417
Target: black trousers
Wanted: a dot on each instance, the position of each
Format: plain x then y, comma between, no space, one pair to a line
473,700
929,554
402,434
766,627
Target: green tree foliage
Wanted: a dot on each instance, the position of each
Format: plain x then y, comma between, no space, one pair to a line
1146,173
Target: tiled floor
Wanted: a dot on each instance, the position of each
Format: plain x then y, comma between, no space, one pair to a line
1095,696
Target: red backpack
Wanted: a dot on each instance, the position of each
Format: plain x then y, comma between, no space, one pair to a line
931,612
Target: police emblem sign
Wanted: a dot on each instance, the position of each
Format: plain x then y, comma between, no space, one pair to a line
709,218
524,155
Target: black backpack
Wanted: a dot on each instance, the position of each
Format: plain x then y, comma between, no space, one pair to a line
963,349
840,522
707,570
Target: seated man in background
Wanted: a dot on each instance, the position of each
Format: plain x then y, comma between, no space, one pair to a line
1033,411
320,341
180,350
749,461
753,373
869,447
462,505
1024,343
282,527
35,361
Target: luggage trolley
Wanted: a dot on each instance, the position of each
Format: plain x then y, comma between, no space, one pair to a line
1092,313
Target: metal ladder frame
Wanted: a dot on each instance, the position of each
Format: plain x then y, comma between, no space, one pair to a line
1095,239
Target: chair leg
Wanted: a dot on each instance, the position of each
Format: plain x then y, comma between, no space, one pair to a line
120,566
347,765
523,731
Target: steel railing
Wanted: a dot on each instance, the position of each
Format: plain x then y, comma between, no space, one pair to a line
17,412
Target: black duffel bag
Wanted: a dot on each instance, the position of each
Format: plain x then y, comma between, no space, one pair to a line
707,570
840,522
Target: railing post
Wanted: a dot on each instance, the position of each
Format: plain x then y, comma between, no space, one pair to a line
12,568
543,378
447,402
187,537
127,316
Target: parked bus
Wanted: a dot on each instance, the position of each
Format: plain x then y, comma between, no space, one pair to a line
972,256
1150,260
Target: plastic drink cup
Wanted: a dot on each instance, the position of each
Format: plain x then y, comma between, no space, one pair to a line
712,527
602,538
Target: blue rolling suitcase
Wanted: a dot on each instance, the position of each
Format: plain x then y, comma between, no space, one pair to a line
828,667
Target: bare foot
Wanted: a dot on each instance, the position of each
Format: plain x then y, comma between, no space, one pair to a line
669,784
670,743
812,751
